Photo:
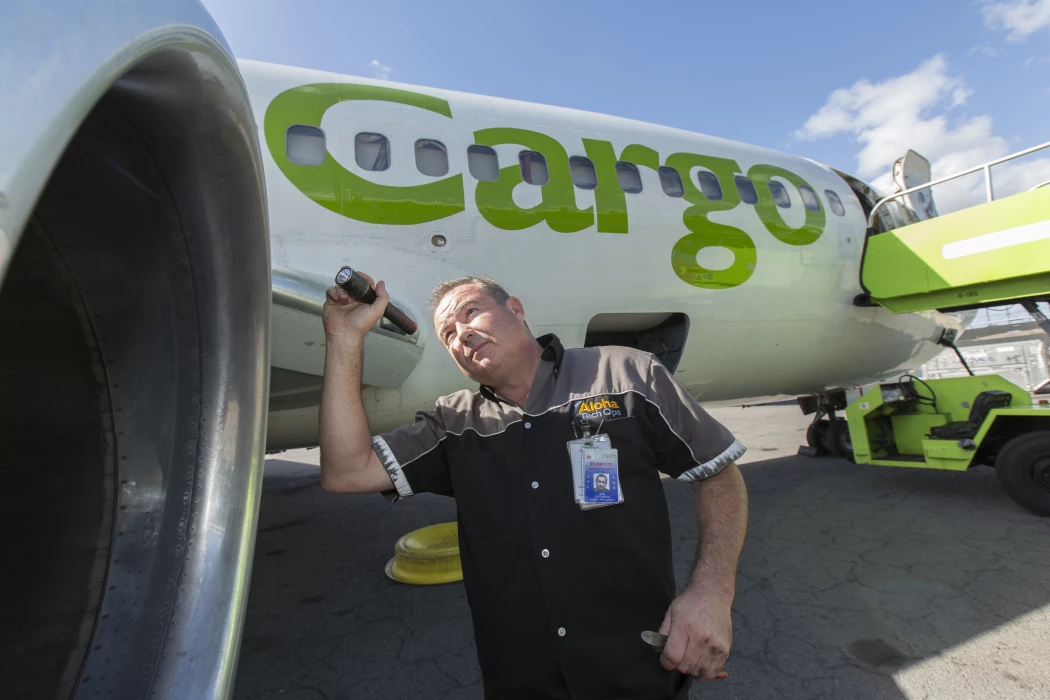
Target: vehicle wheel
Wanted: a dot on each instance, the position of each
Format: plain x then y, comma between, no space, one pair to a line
1023,467
816,436
838,439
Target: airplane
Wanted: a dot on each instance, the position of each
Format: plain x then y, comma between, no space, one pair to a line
169,219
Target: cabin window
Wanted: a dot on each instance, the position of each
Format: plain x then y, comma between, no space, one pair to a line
304,145
809,198
746,188
582,171
780,194
835,203
431,158
629,178
533,168
372,151
671,181
709,185
483,163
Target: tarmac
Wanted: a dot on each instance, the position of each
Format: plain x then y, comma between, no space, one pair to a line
855,582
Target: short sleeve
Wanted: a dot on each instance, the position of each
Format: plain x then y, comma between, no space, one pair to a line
691,444
415,458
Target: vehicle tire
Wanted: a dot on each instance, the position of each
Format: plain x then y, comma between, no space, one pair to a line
1023,468
838,439
816,436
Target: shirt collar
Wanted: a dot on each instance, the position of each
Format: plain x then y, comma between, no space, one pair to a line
552,354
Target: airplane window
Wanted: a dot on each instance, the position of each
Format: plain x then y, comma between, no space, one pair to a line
671,181
372,151
809,198
780,194
431,158
533,168
746,188
483,163
304,145
629,178
709,185
582,171
835,203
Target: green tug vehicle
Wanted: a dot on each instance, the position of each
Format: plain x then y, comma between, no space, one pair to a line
991,254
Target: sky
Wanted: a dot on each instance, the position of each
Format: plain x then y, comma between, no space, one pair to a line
852,85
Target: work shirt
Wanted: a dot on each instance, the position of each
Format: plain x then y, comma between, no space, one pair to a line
559,596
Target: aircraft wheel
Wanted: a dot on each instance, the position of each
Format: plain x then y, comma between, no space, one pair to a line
816,436
838,439
1023,467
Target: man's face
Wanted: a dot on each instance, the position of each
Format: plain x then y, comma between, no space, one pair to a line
483,337
601,483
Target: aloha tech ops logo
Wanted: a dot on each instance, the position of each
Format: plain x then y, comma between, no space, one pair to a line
599,408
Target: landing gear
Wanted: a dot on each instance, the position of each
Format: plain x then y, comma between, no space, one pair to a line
1023,468
838,439
828,434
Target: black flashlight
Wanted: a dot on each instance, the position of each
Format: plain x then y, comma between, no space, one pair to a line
358,288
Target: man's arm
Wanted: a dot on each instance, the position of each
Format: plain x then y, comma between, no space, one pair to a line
348,462
699,623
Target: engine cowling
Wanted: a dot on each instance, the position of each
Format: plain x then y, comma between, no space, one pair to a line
134,332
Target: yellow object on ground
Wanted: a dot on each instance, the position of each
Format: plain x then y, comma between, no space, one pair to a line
427,556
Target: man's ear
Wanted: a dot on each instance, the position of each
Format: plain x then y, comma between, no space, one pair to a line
516,308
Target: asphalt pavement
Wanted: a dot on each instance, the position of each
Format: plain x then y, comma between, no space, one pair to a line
855,582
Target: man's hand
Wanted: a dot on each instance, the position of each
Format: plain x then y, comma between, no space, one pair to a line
343,316
699,631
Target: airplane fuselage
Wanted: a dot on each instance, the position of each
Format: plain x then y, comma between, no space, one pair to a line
625,225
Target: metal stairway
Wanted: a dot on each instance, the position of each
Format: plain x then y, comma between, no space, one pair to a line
992,253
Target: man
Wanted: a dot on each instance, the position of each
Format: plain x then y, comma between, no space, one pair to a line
601,482
559,595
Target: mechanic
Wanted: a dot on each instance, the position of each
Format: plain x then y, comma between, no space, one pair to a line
559,588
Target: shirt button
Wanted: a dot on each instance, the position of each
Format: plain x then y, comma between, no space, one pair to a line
535,484
545,553
561,631
528,425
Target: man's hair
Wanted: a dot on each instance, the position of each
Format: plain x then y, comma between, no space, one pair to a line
490,287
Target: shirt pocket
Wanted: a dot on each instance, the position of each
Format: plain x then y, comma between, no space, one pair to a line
480,483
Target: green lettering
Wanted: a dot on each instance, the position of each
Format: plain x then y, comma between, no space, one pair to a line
336,188
704,232
558,204
609,199
769,212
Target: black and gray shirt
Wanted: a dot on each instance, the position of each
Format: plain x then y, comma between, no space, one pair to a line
559,596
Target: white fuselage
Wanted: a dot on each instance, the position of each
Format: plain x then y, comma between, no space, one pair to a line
788,328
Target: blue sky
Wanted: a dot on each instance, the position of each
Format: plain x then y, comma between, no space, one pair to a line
960,81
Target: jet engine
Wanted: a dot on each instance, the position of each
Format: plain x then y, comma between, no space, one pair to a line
134,339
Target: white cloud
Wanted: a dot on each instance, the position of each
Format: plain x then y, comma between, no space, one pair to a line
1020,18
983,50
1036,61
382,72
887,118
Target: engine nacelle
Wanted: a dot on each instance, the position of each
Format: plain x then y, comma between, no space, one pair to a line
134,337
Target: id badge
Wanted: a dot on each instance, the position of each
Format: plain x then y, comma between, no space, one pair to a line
576,448
601,476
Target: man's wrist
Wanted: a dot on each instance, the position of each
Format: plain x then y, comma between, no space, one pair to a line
712,589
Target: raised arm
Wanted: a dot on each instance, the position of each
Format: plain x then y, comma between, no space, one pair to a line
348,462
